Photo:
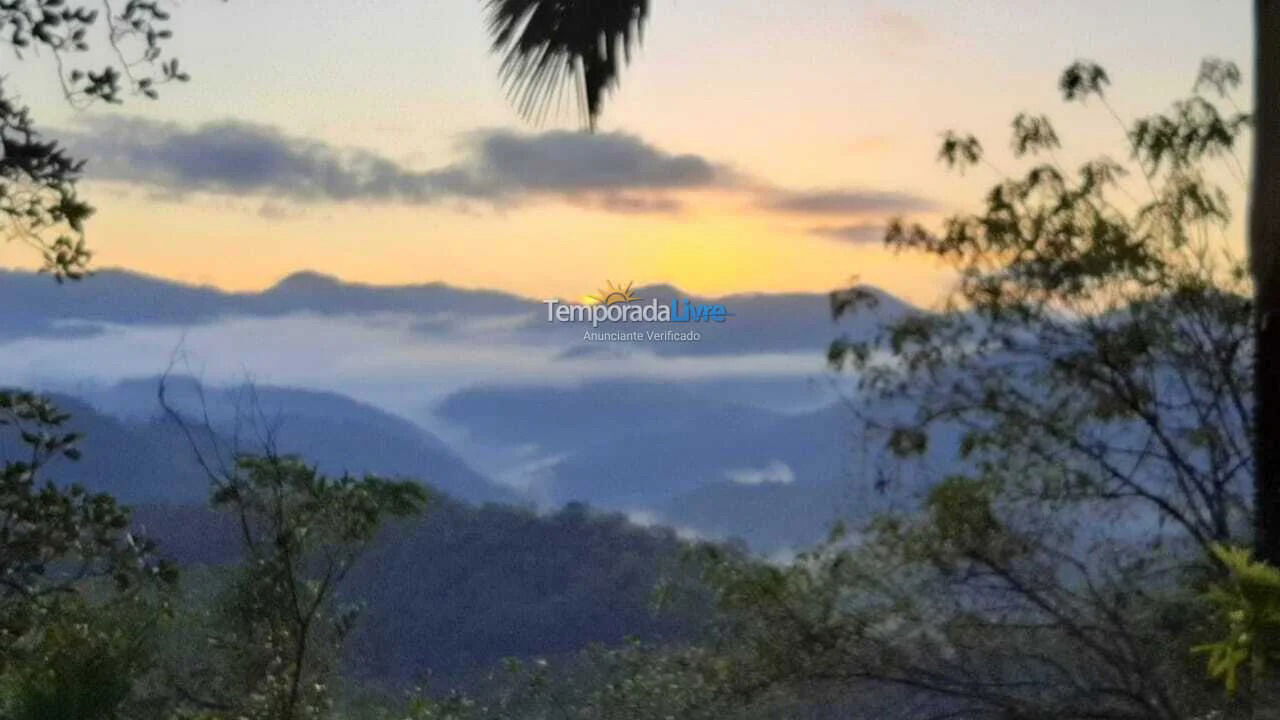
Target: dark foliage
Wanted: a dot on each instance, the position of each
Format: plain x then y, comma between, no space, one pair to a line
548,43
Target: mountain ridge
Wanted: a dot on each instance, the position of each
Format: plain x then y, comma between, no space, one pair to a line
138,453
127,296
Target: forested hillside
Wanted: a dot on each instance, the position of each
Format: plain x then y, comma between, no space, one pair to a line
451,593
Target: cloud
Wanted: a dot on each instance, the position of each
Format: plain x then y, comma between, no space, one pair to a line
775,473
609,172
612,171
858,233
383,359
234,157
844,202
897,34
272,210
561,161
631,203
899,26
648,518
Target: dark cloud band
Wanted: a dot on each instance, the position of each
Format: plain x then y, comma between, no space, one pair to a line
612,172
243,158
845,202
858,233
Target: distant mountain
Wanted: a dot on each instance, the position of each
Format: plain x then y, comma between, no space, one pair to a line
141,456
677,457
777,323
464,587
742,414
647,466
774,517
32,305
575,418
759,324
448,594
663,454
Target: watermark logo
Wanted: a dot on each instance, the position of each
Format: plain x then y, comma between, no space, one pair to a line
619,304
613,295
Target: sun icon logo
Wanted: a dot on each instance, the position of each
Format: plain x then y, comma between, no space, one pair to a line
612,295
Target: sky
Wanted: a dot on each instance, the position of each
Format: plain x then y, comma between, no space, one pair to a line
753,145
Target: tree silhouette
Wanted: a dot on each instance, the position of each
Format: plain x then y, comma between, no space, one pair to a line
1264,262
38,201
1264,248
548,44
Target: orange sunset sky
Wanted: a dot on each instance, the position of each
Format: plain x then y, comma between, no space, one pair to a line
760,142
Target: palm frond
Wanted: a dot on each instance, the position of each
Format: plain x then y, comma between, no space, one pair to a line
550,44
